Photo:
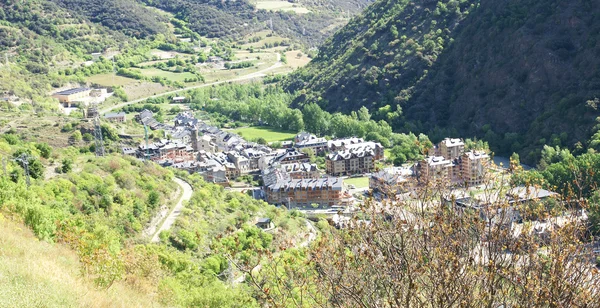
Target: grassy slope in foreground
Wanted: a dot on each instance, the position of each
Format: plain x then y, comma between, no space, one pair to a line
35,273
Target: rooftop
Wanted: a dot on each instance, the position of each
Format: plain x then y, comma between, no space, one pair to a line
473,155
312,184
72,91
453,142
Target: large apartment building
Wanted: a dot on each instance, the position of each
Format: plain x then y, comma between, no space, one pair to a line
354,161
306,192
348,144
473,166
312,142
450,148
436,169
166,151
468,169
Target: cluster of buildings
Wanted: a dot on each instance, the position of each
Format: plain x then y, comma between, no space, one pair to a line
447,164
288,176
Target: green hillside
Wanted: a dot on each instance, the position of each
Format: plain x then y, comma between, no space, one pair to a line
518,73
93,215
48,44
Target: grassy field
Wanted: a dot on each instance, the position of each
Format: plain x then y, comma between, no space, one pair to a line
161,54
39,274
361,182
151,72
270,134
265,39
294,61
276,5
107,80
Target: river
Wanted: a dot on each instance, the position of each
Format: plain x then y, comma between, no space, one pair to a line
505,161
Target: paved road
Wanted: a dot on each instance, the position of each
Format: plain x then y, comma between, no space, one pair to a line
254,75
170,220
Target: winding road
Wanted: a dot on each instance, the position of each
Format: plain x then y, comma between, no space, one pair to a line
259,74
170,220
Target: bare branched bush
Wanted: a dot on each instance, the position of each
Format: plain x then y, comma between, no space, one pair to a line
431,252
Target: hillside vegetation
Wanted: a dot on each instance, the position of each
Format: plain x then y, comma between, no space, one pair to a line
97,210
515,72
40,274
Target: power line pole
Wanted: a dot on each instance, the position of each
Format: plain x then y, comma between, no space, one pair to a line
114,72
98,137
146,137
6,61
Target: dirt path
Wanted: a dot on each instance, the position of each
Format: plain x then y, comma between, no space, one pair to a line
254,75
170,220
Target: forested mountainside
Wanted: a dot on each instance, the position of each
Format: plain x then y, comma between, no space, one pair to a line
518,73
235,18
130,17
40,37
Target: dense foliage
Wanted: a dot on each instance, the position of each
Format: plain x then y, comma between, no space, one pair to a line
129,17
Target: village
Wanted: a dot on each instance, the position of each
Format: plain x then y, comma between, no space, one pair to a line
285,176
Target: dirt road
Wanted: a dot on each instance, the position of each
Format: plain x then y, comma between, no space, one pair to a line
254,75
172,217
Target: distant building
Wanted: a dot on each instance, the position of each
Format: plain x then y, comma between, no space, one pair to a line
186,119
451,148
451,165
340,144
473,167
72,97
301,170
287,144
304,193
279,172
116,117
437,169
505,209
264,223
391,182
272,175
354,161
167,150
290,156
240,162
203,143
301,136
318,145
179,99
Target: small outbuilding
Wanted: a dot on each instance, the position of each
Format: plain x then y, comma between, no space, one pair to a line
265,223
179,99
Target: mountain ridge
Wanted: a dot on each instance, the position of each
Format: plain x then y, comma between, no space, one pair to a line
484,69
